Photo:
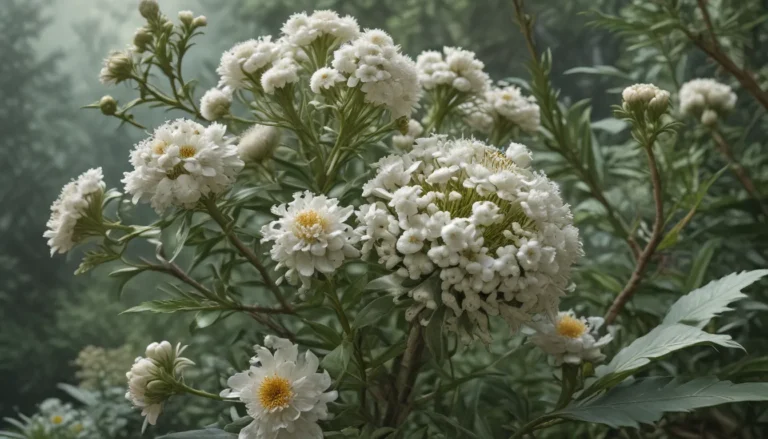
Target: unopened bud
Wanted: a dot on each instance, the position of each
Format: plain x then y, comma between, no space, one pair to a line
108,105
215,104
142,39
149,9
709,117
186,17
258,143
200,21
118,67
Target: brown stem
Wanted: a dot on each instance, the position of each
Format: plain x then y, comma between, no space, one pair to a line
650,248
406,377
739,170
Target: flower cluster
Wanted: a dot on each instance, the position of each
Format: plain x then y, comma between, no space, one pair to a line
180,163
310,236
282,392
58,419
153,379
459,69
495,232
387,77
569,339
706,99
405,141
645,101
100,368
503,106
76,214
243,65
302,29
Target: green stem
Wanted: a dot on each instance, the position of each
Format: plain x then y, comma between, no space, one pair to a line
201,393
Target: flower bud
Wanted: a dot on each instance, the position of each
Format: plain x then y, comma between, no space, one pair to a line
118,67
645,100
258,143
186,17
149,9
709,118
215,104
108,105
200,21
168,25
141,39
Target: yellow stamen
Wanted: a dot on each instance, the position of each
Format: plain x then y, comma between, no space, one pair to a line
307,222
57,420
159,147
571,327
275,393
187,151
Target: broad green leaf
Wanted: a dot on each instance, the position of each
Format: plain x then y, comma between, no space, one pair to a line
391,283
646,401
208,433
337,361
699,306
661,341
324,332
610,125
374,311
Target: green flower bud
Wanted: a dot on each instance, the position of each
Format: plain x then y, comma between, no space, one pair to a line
200,21
108,105
149,9
142,39
186,17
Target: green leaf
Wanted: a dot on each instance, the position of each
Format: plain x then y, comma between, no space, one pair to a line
661,341
610,125
433,334
172,305
337,361
94,258
206,318
324,332
646,401
208,433
238,424
373,312
700,263
391,283
699,306
84,396
124,275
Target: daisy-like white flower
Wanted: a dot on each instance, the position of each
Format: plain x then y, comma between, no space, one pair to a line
258,143
242,65
283,392
310,236
374,63
570,339
76,214
706,99
215,103
494,232
152,379
302,29
283,72
180,163
324,78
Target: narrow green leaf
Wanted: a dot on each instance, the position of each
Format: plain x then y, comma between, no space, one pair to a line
337,361
433,335
373,312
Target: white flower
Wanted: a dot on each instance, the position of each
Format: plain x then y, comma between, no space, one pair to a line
258,143
497,233
509,103
459,69
78,199
325,78
151,379
520,154
706,99
387,77
302,30
310,236
570,339
215,104
282,392
405,141
246,61
646,97
180,163
285,71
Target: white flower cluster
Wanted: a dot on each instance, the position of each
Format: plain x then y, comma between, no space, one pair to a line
282,392
152,378
302,29
497,233
570,339
646,98
71,208
503,104
458,69
405,141
180,163
706,99
310,236
385,76
245,62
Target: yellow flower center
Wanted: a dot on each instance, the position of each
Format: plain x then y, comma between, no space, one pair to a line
77,428
571,327
275,393
159,147
307,222
57,420
187,151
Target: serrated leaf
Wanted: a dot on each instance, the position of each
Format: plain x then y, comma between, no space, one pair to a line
373,312
699,306
646,401
208,433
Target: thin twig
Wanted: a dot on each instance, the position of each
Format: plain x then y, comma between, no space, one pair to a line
409,367
741,173
650,248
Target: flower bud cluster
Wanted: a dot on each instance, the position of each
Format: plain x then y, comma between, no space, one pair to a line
645,101
707,100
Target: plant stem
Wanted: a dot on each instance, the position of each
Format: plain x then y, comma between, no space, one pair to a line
201,393
409,368
650,248
741,173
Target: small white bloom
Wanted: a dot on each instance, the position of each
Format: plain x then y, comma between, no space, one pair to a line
79,198
302,29
642,97
405,141
520,154
246,60
258,143
459,69
324,78
509,102
282,392
570,339
215,104
283,72
706,99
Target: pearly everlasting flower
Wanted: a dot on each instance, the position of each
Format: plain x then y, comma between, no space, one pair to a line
215,103
509,103
310,236
386,77
283,392
706,99
76,214
244,63
283,72
152,379
569,339
459,69
302,29
495,235
325,78
118,67
258,143
519,154
405,141
645,99
180,163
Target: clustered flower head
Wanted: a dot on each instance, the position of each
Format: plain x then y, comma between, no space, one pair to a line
645,101
405,141
101,368
706,99
58,419
374,63
283,392
215,104
154,378
570,339
258,143
495,232
459,69
180,163
503,106
302,29
76,214
243,65
310,236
